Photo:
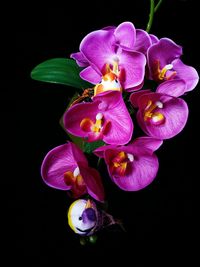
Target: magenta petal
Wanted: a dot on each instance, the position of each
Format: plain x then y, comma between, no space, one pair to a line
90,75
125,34
56,163
172,87
80,59
74,115
136,88
93,137
143,41
136,95
109,28
142,171
146,142
111,105
175,111
187,73
108,99
78,154
98,48
121,123
154,39
100,150
164,51
133,64
93,182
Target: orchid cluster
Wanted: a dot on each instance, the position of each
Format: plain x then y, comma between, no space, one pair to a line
132,76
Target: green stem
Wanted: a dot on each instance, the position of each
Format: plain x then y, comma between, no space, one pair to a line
151,15
98,162
157,6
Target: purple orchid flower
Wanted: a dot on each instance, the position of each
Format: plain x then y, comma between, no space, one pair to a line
66,168
114,47
161,114
164,64
142,42
134,166
106,118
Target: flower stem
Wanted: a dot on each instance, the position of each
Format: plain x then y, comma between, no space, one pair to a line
151,15
98,162
153,10
157,6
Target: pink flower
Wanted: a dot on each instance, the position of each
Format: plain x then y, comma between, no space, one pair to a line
134,166
66,168
114,46
164,64
161,114
105,118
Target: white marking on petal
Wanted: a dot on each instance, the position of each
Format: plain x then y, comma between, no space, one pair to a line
130,157
159,104
76,172
99,116
115,59
169,67
155,119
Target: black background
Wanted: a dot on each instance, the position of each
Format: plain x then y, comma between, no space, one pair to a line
159,219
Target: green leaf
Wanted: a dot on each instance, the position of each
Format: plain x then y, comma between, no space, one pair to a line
60,70
90,147
77,140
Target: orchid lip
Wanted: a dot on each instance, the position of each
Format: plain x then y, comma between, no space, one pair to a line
120,163
151,115
166,73
89,125
110,80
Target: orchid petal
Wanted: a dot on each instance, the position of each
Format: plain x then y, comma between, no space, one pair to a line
164,52
76,114
141,173
133,64
143,41
154,39
136,95
174,110
125,34
187,73
121,128
172,87
146,142
58,161
91,75
98,48
135,88
93,182
100,150
80,59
